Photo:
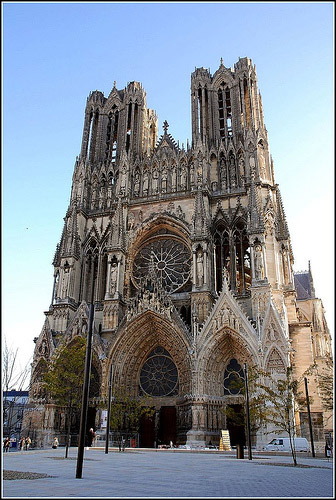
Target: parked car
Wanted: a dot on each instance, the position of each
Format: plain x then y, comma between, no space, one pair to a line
283,444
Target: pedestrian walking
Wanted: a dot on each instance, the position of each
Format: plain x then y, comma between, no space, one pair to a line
327,450
27,443
6,444
92,435
55,443
21,443
123,443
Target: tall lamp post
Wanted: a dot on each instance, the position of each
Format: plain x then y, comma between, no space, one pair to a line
247,414
309,418
86,385
108,411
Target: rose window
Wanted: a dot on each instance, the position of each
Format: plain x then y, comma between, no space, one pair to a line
158,376
168,258
233,378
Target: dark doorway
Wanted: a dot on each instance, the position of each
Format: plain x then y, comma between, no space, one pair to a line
167,425
147,432
236,426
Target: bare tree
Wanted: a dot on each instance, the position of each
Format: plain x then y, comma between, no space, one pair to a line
14,378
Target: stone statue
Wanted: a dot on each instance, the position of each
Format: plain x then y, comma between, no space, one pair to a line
200,268
131,220
145,182
137,184
155,181
258,263
164,181
113,277
241,165
123,181
174,178
184,178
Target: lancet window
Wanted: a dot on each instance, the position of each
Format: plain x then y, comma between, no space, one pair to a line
112,135
232,257
224,111
132,124
90,270
94,117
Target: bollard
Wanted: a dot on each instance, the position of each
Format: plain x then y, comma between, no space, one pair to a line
240,451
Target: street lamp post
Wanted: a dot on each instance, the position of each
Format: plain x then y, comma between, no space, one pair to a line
108,411
86,385
247,414
309,418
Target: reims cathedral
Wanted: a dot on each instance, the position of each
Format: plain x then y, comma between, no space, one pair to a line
185,252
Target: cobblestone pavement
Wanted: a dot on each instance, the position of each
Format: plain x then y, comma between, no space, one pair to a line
163,473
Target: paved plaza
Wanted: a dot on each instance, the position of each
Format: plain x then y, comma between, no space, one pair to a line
165,473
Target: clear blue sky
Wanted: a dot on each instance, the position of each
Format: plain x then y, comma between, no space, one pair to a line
54,54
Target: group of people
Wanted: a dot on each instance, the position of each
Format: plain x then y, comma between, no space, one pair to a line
24,443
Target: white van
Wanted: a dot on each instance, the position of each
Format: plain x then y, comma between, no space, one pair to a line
283,444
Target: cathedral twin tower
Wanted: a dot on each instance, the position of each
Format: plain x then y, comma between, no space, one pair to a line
185,253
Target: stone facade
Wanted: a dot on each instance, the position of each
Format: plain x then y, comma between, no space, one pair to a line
184,251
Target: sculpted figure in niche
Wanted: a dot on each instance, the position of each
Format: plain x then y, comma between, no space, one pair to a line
200,268
199,173
174,179
164,180
252,164
145,182
113,277
258,263
192,174
184,178
180,213
223,173
65,284
137,184
262,165
94,195
123,181
131,220
155,181
241,165
43,348
232,171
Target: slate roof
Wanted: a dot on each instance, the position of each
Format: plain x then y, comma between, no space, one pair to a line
302,285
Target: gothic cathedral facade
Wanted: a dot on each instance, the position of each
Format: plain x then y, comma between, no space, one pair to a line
185,252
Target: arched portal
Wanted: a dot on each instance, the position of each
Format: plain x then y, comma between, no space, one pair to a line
222,359
152,360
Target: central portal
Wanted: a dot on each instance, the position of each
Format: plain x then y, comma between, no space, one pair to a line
167,425
158,431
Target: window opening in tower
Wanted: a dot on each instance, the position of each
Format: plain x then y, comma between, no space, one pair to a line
221,113
228,111
200,115
129,122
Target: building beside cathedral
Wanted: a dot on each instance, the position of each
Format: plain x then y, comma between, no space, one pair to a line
185,252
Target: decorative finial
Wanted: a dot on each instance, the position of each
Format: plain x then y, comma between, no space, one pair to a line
165,126
221,61
114,84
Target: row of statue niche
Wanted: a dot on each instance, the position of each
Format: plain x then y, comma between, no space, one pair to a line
150,301
102,192
231,175
259,270
153,183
